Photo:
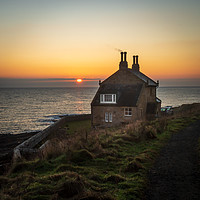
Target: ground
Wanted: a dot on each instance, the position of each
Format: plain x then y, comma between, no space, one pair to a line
113,164
176,173
7,143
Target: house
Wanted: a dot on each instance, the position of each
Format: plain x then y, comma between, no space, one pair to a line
126,96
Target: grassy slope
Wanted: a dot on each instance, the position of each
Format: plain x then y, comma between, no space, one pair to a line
107,164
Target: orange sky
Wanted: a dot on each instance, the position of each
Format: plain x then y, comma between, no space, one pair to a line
61,39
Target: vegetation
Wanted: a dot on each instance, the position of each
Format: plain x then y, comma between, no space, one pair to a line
96,164
78,126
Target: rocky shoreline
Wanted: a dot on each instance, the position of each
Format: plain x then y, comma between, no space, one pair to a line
7,143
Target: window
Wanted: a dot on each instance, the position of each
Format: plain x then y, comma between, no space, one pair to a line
107,98
108,117
127,111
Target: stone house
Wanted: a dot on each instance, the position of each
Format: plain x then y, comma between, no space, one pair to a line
126,96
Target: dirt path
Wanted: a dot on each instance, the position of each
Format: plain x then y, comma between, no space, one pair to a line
176,174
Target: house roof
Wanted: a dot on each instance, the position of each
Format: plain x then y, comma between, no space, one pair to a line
143,77
138,74
126,95
158,100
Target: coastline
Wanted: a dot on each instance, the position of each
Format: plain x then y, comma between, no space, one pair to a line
8,142
104,163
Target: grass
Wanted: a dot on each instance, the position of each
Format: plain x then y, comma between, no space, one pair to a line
78,126
107,164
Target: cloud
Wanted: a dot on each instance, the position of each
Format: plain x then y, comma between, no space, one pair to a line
46,82
119,50
180,82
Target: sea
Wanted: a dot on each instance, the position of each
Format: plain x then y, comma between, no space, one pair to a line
34,109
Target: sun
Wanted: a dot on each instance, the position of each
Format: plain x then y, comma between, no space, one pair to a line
79,80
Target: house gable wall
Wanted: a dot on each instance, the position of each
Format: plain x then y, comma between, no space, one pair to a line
150,93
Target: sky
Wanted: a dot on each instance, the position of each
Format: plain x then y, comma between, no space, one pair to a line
54,42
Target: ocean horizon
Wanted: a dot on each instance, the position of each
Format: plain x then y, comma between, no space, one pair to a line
34,109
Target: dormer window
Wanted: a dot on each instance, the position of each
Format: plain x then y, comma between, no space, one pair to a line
107,98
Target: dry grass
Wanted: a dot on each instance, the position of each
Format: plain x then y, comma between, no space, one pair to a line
92,165
95,141
187,110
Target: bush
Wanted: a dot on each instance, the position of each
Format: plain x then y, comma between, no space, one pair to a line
23,166
70,188
133,166
3,181
81,155
115,178
150,132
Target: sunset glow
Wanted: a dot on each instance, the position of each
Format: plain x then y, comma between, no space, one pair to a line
66,39
79,80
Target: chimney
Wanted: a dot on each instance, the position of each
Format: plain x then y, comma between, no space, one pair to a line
122,56
125,56
123,64
136,60
135,65
133,60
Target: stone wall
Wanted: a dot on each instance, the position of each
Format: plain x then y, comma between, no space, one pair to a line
28,145
118,117
138,112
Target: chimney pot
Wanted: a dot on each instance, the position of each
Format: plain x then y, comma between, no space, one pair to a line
125,56
123,64
135,65
122,56
136,60
133,60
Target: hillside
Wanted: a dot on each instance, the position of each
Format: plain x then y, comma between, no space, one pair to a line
95,164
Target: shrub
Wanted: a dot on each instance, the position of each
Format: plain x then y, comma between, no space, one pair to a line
150,132
133,166
3,181
143,157
23,166
161,125
81,155
70,188
115,178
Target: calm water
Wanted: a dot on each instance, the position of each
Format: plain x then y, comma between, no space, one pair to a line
33,109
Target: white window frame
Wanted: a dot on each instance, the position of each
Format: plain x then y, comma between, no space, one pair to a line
128,112
108,117
103,98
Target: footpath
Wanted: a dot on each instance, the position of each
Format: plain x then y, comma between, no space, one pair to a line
176,173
